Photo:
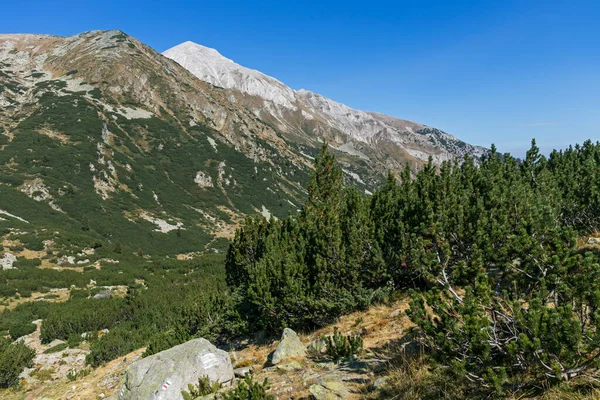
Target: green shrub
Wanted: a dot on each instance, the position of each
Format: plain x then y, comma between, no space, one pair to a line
165,340
17,248
117,342
73,376
203,388
13,359
57,348
307,271
19,328
74,340
43,375
339,347
32,242
248,389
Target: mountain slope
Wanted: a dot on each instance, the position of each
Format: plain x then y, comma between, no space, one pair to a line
105,141
332,120
106,144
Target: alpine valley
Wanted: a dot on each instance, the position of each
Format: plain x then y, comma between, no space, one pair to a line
179,227
109,148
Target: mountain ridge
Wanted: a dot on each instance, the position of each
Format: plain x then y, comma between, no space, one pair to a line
107,142
362,126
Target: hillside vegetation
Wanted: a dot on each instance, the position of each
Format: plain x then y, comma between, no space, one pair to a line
504,299
493,253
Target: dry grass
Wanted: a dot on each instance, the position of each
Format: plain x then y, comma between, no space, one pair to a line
578,391
375,325
378,326
63,295
101,382
411,377
582,242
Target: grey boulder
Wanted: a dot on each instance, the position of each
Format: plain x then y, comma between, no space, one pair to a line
102,295
164,375
593,240
290,346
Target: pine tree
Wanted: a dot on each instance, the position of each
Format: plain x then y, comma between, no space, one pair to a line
321,226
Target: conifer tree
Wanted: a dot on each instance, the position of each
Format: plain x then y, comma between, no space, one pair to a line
321,226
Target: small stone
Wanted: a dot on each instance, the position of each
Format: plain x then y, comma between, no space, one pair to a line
329,390
242,372
593,240
381,382
395,313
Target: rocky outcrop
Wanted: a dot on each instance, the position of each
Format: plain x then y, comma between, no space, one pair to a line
102,295
290,346
7,261
367,130
162,376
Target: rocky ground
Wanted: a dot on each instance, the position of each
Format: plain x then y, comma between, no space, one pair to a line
293,366
302,377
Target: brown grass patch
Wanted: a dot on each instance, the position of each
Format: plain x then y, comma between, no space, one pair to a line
63,295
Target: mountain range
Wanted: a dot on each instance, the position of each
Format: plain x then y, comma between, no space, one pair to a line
389,141
104,141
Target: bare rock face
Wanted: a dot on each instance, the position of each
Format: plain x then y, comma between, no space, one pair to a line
7,261
289,346
370,131
162,376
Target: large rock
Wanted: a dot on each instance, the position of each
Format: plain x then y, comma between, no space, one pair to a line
290,346
162,376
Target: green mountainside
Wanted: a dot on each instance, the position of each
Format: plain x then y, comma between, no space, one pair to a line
107,142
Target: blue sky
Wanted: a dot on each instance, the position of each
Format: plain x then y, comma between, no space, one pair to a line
499,71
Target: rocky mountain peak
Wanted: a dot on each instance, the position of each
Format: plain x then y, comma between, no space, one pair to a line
212,67
328,120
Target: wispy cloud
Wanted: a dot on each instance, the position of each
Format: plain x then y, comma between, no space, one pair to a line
538,124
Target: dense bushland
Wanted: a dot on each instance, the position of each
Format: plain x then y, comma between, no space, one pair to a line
502,293
14,357
308,270
178,301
